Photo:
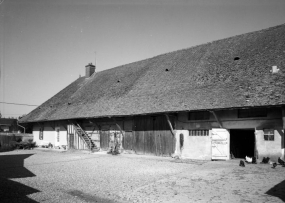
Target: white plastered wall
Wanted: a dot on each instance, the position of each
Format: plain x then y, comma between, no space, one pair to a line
36,134
49,136
194,147
266,148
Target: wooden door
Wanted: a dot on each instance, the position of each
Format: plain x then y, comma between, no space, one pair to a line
149,138
139,135
71,141
220,144
104,139
164,139
152,135
128,140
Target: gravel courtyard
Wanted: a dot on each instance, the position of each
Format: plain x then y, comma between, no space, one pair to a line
52,176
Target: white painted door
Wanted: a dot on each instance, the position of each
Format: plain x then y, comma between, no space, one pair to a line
220,144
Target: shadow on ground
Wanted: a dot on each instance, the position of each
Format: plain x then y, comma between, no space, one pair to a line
89,198
7,149
12,166
278,191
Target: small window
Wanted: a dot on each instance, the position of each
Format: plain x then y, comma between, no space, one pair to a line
268,134
198,132
200,115
41,134
251,113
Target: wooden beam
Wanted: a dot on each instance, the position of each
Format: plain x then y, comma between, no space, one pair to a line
170,125
98,126
64,124
217,119
120,129
283,117
52,124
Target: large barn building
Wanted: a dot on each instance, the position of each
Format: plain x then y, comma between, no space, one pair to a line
213,101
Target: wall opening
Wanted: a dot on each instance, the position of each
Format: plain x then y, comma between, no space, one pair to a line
242,143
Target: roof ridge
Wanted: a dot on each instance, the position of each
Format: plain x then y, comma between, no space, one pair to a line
203,44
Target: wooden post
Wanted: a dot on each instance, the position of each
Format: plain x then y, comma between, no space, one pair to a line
283,116
283,136
173,132
120,129
217,119
123,134
170,125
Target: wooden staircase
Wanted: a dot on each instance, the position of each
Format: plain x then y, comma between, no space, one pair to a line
88,141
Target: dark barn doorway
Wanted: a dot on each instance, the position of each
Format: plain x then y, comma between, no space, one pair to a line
242,143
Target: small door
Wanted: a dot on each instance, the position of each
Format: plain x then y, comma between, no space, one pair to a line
220,144
104,139
71,141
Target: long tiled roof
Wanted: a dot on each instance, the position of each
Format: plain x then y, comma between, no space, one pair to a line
198,78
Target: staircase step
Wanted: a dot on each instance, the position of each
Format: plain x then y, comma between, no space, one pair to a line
86,138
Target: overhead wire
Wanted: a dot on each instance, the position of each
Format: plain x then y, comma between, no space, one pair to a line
19,104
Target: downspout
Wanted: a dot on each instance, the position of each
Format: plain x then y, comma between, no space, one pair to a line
21,127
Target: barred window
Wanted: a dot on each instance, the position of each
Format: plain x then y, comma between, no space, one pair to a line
57,134
199,115
41,134
198,132
251,113
268,134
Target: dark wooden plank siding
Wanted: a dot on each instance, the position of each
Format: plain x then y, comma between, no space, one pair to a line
149,138
128,140
152,135
139,135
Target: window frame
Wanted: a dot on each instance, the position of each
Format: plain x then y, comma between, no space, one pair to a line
252,113
199,115
268,134
58,134
199,132
41,134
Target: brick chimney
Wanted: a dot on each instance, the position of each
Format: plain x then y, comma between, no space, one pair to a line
89,70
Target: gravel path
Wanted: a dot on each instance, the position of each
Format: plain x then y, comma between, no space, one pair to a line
49,176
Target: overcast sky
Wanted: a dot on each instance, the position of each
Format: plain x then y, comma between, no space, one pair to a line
45,44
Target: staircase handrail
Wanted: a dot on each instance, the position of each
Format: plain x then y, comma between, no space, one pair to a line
89,145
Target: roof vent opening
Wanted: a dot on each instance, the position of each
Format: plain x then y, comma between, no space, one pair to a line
236,58
166,69
119,81
69,103
274,69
